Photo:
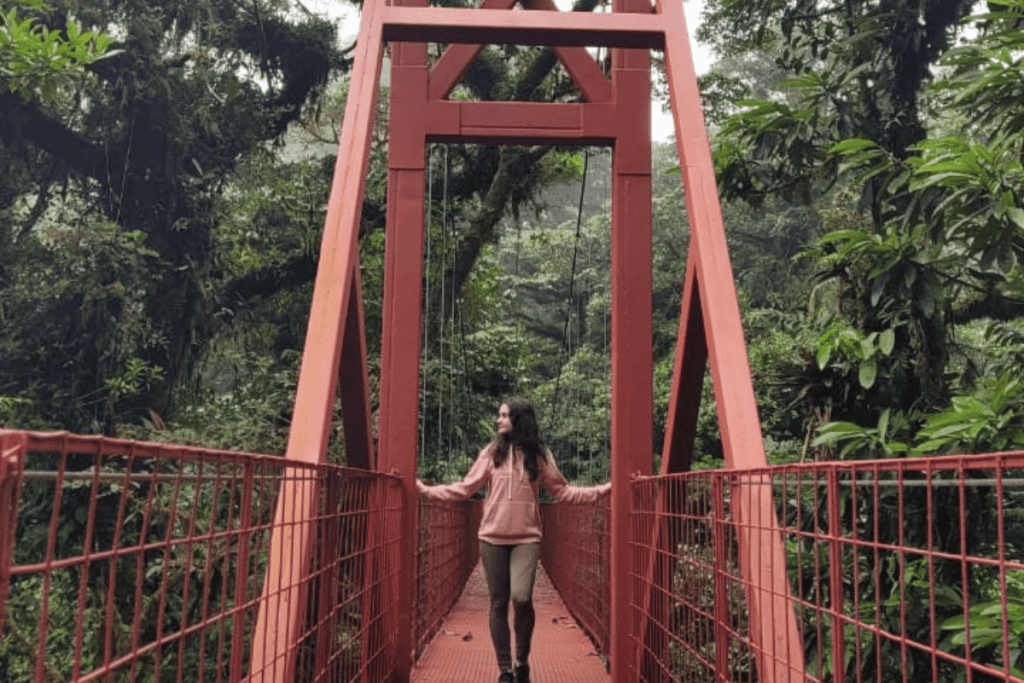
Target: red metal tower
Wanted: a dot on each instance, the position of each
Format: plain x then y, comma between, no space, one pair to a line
615,113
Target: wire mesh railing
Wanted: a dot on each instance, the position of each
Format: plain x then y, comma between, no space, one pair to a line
575,555
125,561
898,570
447,553
146,562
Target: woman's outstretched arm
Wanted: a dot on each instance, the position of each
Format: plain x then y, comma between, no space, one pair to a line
564,492
461,490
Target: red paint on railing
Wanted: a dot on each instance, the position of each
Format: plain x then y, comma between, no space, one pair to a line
141,561
136,561
447,553
575,554
900,570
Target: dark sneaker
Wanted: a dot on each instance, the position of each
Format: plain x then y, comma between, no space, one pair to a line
507,677
523,673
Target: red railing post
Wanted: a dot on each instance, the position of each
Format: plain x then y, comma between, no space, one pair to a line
778,647
12,463
402,324
242,573
282,609
722,602
835,569
327,557
654,563
379,617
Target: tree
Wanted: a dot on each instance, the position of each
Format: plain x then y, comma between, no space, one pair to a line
145,146
858,71
958,241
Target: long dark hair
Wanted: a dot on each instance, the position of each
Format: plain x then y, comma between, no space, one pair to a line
524,435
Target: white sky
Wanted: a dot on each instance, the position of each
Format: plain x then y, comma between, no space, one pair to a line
661,122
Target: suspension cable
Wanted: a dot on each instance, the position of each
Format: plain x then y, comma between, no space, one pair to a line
572,279
426,306
440,325
449,246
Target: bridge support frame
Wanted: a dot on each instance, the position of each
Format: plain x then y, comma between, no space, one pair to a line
615,114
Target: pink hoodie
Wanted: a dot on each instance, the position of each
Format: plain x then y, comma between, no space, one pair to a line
512,508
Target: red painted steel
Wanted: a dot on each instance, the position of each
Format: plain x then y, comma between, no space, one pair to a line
617,114
403,278
491,26
774,628
354,383
689,367
631,362
446,556
576,553
456,59
888,560
149,565
12,462
334,345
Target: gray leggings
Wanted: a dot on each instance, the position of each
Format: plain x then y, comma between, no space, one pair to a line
510,571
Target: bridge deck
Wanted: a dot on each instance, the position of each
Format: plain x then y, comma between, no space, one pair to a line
461,652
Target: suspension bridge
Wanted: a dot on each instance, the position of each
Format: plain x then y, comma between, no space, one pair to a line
203,565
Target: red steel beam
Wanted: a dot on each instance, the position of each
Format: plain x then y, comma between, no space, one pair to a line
12,462
451,66
689,366
354,383
402,327
772,619
631,362
503,27
524,123
734,390
581,65
455,60
282,606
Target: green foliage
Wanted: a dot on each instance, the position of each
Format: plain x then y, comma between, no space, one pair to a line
952,215
988,623
21,637
866,442
932,219
76,295
36,61
953,192
989,419
984,78
245,406
847,349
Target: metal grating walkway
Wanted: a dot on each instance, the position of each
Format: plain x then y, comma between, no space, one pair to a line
461,652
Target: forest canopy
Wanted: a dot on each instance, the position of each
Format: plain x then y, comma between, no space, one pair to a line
167,175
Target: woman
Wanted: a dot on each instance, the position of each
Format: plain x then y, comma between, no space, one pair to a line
513,466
